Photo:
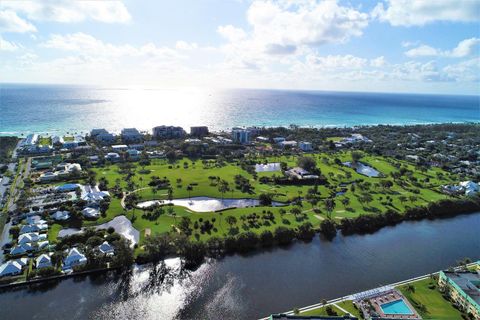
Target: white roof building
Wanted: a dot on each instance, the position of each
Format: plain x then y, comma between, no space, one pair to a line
31,237
112,156
74,258
22,249
106,248
305,146
10,268
61,215
93,194
34,227
90,212
43,261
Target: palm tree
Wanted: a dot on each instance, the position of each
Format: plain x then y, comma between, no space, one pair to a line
223,187
189,189
173,214
329,206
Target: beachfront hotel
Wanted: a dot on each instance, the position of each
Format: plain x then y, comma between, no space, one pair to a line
463,288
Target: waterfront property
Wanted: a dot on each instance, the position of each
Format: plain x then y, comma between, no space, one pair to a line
463,288
74,258
300,317
385,303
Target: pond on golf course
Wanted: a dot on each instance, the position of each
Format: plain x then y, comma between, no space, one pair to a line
363,169
269,167
207,204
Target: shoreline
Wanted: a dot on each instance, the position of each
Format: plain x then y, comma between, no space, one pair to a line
349,297
256,250
223,130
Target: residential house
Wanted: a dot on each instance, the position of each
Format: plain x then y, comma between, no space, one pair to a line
61,215
113,157
11,268
288,144
305,146
106,249
43,261
74,258
93,194
119,147
31,237
91,213
28,228
134,154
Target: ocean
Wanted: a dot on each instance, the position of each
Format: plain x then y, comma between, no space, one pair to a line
60,109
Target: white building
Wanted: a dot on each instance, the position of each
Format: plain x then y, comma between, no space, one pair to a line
57,140
31,237
305,146
30,140
112,156
131,135
240,135
28,228
74,258
134,154
106,248
11,268
61,215
93,194
91,213
290,144
119,147
43,261
471,188
168,132
102,135
21,249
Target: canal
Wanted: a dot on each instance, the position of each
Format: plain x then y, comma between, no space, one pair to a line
252,286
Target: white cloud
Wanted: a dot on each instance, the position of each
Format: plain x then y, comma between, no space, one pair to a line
183,45
378,62
231,33
304,23
465,71
336,62
422,51
90,46
11,22
422,12
463,49
70,10
7,45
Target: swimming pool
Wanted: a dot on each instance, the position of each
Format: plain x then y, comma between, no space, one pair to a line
396,307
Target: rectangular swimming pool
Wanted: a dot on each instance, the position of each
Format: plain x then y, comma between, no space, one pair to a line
396,307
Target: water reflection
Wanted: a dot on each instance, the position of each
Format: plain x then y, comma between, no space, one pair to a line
255,285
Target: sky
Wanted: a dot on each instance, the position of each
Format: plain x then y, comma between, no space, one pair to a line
419,46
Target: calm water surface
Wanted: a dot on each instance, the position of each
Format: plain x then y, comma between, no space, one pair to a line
248,287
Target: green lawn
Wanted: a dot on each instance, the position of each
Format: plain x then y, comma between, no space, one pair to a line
321,312
186,172
436,306
44,141
348,305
